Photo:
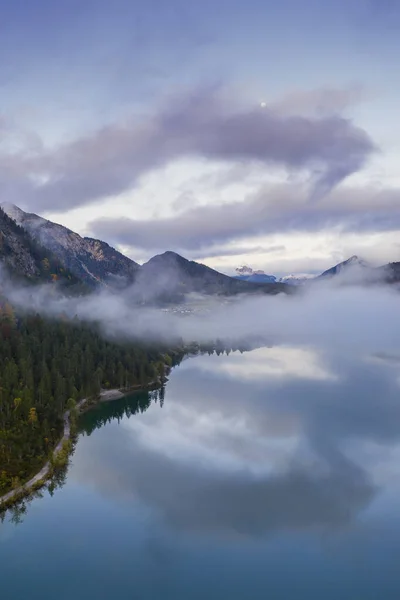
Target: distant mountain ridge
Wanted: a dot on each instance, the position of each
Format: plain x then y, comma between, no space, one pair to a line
246,273
351,270
167,276
38,249
172,276
298,279
93,261
354,262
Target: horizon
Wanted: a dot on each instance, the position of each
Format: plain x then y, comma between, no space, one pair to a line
9,209
261,135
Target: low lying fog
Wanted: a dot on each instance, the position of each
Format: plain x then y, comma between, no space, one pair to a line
351,316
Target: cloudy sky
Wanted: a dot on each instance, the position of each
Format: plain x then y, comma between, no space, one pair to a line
234,132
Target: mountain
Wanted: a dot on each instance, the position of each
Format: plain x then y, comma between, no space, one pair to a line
353,263
299,279
356,270
166,276
24,258
352,270
390,273
257,278
38,250
92,261
246,273
244,270
170,276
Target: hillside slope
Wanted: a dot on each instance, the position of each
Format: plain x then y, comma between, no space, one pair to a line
24,258
351,265
92,261
170,276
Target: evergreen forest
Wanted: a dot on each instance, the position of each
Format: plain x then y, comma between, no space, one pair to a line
46,366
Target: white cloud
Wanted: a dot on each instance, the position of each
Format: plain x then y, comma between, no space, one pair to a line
276,362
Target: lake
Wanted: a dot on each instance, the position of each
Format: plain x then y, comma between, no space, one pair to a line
272,474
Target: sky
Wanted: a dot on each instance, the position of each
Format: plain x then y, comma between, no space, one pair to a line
243,132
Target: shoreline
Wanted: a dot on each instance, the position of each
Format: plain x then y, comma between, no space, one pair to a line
39,480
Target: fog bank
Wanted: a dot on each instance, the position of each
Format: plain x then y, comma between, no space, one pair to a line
351,317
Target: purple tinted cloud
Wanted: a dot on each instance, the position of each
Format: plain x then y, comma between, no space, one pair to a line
272,210
196,124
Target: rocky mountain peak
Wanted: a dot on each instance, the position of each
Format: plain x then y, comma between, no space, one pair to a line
93,261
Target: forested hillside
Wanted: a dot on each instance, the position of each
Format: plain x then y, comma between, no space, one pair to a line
25,259
92,261
44,367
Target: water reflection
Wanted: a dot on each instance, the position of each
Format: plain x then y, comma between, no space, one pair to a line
16,512
272,474
241,450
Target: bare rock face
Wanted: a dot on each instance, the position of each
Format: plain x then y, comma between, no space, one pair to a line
94,262
23,257
15,253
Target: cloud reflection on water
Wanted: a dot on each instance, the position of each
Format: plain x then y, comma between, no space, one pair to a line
234,454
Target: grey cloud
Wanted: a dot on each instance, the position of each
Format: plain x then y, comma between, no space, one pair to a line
223,251
322,101
200,123
195,496
191,498
279,318
190,494
370,389
277,209
254,506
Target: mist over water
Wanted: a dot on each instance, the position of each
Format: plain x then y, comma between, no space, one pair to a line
354,317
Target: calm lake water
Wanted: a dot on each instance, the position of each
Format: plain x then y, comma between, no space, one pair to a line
273,474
